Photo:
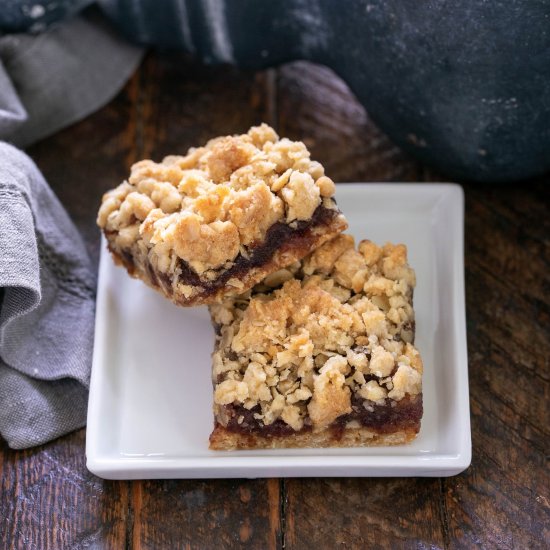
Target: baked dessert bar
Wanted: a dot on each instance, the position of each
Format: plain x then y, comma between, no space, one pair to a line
221,218
320,354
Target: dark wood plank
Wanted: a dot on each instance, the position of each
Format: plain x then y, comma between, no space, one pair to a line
206,514
502,500
182,104
49,500
363,513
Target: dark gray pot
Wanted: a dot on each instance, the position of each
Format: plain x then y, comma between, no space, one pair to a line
463,86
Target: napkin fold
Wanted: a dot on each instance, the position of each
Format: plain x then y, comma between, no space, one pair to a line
47,309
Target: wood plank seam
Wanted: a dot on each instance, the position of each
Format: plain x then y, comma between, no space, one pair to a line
444,513
282,511
129,516
541,450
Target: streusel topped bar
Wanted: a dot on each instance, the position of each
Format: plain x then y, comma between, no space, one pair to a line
320,353
218,220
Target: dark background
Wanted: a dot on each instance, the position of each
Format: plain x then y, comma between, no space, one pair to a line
49,500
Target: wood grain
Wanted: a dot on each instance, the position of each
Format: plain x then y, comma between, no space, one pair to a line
184,104
49,500
205,514
502,500
363,513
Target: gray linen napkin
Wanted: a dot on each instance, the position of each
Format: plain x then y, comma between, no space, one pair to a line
47,310
47,285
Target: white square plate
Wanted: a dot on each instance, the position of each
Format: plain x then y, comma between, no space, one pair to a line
150,408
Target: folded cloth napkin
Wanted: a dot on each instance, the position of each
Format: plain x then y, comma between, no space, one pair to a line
46,311
47,285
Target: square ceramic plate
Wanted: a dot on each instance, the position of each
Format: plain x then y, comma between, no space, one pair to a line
150,409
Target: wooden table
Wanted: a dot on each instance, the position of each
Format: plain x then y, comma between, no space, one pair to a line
49,500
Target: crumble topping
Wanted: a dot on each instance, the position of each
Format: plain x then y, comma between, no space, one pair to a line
309,337
216,202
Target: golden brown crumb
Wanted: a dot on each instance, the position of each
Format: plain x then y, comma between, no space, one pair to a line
248,182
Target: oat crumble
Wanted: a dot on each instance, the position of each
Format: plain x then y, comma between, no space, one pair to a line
315,337
194,216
